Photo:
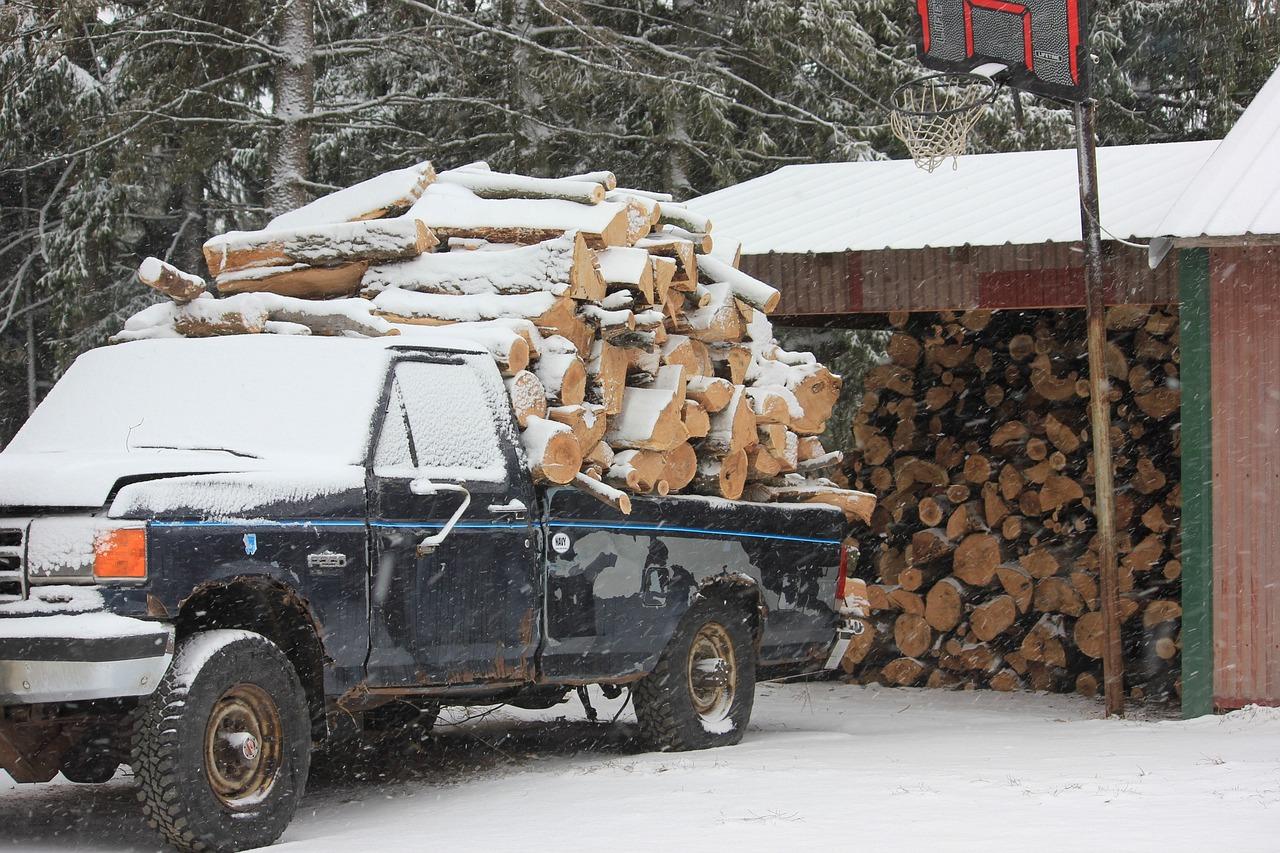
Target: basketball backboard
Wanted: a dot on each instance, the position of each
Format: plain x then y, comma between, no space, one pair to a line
1041,41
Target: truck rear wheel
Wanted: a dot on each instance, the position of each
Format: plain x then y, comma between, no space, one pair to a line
701,692
222,749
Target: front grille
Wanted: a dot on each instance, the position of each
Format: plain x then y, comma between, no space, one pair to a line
12,577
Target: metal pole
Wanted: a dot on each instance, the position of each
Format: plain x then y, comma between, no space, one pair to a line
1100,408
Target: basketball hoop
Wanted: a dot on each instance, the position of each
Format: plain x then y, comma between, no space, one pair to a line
933,114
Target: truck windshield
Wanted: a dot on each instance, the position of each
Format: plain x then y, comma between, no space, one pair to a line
253,396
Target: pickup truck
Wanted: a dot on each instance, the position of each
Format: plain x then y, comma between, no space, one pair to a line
215,554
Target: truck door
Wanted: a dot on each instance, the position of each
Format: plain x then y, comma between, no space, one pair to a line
465,612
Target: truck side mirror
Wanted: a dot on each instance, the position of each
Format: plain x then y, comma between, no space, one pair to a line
424,487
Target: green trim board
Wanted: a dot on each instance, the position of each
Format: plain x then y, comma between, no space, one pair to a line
1197,483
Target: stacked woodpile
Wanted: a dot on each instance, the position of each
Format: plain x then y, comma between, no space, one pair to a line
638,361
982,566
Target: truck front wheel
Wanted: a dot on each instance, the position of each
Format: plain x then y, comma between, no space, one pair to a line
701,692
222,749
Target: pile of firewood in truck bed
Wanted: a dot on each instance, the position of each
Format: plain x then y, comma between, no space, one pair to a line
637,360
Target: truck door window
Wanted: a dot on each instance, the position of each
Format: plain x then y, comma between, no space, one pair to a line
452,422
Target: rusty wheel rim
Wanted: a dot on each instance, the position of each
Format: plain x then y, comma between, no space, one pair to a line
243,745
713,672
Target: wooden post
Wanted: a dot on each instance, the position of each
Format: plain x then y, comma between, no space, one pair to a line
1197,484
1099,408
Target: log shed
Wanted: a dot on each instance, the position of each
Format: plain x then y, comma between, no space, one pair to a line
974,432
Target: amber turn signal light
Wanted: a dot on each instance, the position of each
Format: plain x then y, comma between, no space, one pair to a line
121,554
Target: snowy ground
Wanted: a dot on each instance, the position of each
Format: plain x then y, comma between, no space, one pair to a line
823,765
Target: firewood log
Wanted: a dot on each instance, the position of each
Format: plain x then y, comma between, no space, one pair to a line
761,464
604,493
721,476
561,266
179,286
553,452
607,376
912,635
650,420
563,377
321,245
976,559
1017,584
693,355
1057,595
733,427
454,211
905,672
752,291
904,350
944,604
696,421
486,184
679,466
681,251
388,194
731,362
296,280
528,397
993,617
587,421
628,267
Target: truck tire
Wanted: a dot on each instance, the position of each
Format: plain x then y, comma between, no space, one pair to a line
701,692
222,749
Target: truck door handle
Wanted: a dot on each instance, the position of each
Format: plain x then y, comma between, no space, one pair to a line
513,507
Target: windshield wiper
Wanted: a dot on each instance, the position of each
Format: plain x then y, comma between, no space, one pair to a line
213,449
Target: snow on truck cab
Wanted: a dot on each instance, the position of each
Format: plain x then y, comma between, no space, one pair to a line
215,553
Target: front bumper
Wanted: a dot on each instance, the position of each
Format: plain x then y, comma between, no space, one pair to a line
77,656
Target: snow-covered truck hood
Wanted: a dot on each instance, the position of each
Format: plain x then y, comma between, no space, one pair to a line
87,479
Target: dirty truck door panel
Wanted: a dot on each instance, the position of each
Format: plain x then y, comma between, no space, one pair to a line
465,612
617,585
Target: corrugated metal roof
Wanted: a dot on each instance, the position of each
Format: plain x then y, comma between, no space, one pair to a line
1237,191
1021,197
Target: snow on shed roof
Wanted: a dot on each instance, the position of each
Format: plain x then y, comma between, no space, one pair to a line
1020,197
1237,191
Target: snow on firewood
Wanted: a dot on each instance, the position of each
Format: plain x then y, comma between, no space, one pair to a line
503,185
450,308
300,280
456,211
372,240
542,267
620,265
765,392
604,493
248,313
750,290
553,452
650,420
528,397
603,177
702,242
563,376
508,347
171,281
618,300
390,192
719,321
682,217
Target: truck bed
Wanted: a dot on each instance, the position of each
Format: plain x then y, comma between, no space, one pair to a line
618,585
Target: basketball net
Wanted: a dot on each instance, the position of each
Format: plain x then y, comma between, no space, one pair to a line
933,115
